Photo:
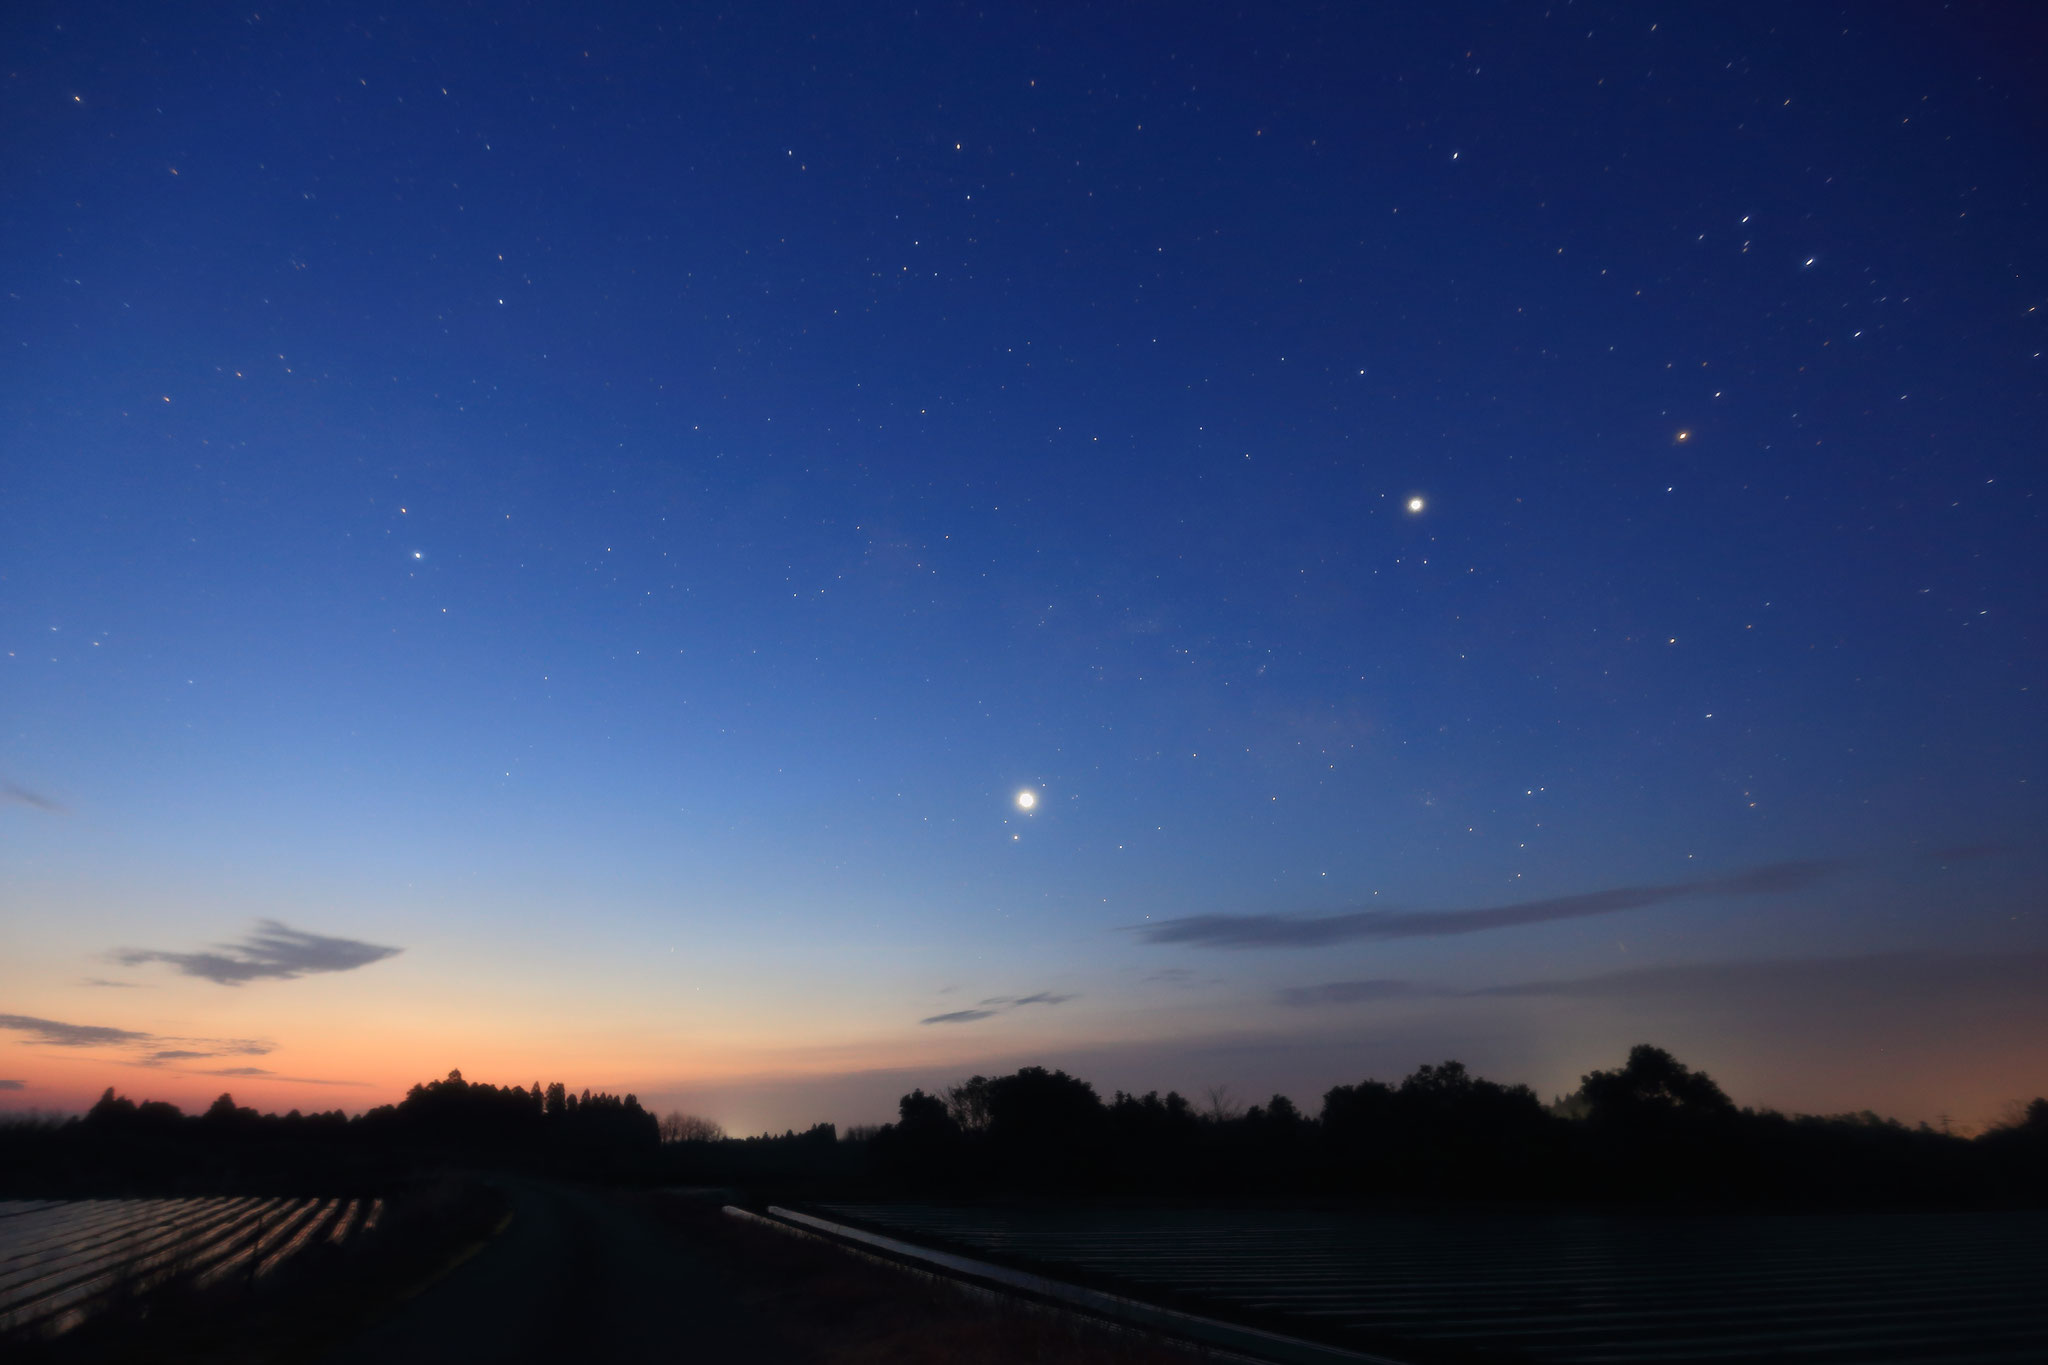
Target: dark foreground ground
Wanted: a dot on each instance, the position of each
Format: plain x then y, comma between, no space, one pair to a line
1908,1288
592,1275
553,1273
575,1275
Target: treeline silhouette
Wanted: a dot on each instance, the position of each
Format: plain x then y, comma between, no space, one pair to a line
120,1145
1651,1132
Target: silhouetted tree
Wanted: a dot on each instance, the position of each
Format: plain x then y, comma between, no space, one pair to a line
1223,1106
223,1113
923,1146
1441,1131
677,1126
918,1112
1046,1129
1034,1105
111,1109
1148,1124
1352,1111
1652,1082
967,1103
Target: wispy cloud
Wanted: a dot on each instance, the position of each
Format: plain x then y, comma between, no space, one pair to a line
1315,931
239,1047
58,1034
208,1047
998,1004
111,985
149,1049
1904,974
275,951
259,1073
13,1085
22,796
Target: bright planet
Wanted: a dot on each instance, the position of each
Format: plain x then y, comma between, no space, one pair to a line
821,410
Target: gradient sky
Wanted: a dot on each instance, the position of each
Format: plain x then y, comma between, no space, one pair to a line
550,543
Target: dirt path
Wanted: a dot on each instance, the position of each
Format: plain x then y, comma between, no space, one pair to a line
576,1276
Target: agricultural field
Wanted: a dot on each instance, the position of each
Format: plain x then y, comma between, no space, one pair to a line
59,1259
1953,1287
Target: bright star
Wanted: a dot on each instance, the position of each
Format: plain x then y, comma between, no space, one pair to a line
1415,505
1026,800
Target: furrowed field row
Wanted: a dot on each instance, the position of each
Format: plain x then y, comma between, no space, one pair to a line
63,1257
1917,1287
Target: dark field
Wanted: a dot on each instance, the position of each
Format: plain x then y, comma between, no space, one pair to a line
543,1272
1951,1287
60,1258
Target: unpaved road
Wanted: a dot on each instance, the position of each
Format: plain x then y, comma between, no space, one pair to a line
575,1277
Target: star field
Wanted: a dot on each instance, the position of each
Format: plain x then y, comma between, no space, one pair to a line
737,524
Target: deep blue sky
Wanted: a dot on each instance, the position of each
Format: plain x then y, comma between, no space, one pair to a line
616,505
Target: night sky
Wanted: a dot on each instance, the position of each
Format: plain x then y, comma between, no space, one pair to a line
554,543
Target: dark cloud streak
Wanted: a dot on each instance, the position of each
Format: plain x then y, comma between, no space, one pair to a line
156,1048
260,1074
999,1004
274,951
1303,931
1905,975
58,1034
22,796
